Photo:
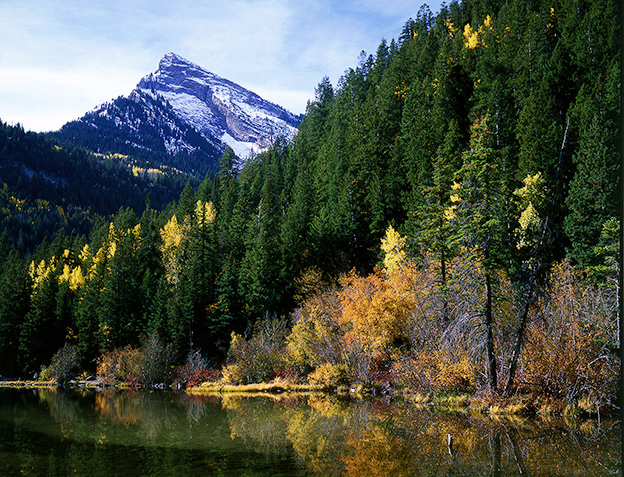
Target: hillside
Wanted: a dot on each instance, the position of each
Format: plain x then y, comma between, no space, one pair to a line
446,218
47,188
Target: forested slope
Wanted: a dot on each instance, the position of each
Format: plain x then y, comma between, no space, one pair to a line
481,146
47,188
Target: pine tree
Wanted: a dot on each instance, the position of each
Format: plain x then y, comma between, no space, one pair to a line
15,289
122,305
592,199
478,218
40,334
261,267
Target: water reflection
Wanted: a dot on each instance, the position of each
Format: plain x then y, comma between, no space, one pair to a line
120,433
335,437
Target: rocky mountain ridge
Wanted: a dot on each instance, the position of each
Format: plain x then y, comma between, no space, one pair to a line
218,107
182,116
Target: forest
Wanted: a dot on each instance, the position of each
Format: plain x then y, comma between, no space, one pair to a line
445,219
47,188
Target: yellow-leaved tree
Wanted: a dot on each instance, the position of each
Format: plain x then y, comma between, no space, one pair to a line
532,198
205,213
393,246
172,235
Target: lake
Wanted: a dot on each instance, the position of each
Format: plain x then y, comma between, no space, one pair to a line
81,432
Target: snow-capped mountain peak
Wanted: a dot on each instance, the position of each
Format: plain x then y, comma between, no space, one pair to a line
218,107
183,116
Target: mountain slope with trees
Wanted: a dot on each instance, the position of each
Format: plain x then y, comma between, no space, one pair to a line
46,188
446,217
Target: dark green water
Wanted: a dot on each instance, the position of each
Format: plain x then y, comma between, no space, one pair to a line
51,432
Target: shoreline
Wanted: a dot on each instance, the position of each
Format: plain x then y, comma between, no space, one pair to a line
526,406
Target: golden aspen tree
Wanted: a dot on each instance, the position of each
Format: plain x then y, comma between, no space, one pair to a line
172,235
393,246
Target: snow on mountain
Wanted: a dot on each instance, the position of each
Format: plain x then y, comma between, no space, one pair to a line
182,116
218,107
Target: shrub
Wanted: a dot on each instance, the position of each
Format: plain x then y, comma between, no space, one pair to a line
316,337
415,370
147,365
233,373
568,352
381,369
455,372
119,365
259,359
155,360
290,375
195,371
45,374
437,368
65,364
330,375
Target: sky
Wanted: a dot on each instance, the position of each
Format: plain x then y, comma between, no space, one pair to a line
62,58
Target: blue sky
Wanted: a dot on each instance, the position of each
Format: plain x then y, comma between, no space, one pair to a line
60,59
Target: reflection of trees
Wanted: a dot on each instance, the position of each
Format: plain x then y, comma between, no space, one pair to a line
195,405
63,408
377,452
259,423
331,436
147,410
314,435
117,408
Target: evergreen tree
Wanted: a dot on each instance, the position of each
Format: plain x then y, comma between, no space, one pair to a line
41,334
593,191
478,218
122,304
15,289
261,267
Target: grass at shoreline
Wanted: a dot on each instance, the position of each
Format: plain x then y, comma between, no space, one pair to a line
492,406
28,384
519,405
18,384
272,387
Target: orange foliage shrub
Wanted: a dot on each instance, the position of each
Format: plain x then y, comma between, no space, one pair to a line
375,309
569,350
456,371
431,335
437,368
119,365
383,314
146,365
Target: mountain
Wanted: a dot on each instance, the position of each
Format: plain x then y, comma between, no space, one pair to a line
217,107
182,116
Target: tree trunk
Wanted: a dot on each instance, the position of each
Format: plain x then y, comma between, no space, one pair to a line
517,348
445,313
491,357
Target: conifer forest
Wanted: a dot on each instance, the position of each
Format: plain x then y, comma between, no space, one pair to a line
446,218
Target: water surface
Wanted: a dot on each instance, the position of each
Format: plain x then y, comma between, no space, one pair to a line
56,432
